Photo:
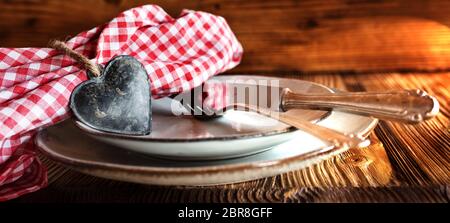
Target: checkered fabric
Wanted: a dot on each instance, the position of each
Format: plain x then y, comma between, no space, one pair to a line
36,83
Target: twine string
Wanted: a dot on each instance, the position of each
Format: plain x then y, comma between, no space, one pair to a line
84,61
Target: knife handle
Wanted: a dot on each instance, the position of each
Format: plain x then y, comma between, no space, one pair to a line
408,106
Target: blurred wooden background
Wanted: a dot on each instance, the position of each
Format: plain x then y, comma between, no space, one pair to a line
284,35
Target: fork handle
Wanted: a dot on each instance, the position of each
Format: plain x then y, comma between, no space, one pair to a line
408,106
333,137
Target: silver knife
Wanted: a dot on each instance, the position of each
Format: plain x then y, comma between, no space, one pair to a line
214,97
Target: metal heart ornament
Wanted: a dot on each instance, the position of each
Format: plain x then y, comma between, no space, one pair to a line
118,101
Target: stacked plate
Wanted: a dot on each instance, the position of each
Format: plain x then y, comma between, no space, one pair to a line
182,150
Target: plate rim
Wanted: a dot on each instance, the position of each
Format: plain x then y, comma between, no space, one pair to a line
94,132
75,162
213,175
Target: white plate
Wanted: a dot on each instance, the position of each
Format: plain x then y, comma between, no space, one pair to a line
236,134
68,145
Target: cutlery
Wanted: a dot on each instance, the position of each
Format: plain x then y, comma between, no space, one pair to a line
406,106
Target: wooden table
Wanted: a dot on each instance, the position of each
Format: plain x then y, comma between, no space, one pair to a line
404,163
350,45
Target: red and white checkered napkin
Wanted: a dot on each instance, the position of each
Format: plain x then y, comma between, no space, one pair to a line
35,83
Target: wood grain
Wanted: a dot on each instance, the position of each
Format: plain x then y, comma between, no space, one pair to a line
421,152
284,35
403,163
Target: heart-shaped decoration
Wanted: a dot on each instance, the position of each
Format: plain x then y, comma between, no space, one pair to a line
118,101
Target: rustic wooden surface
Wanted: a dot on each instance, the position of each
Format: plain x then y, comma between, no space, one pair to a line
403,163
344,35
355,45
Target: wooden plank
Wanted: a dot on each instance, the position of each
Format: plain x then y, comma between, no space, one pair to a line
285,35
419,153
77,187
